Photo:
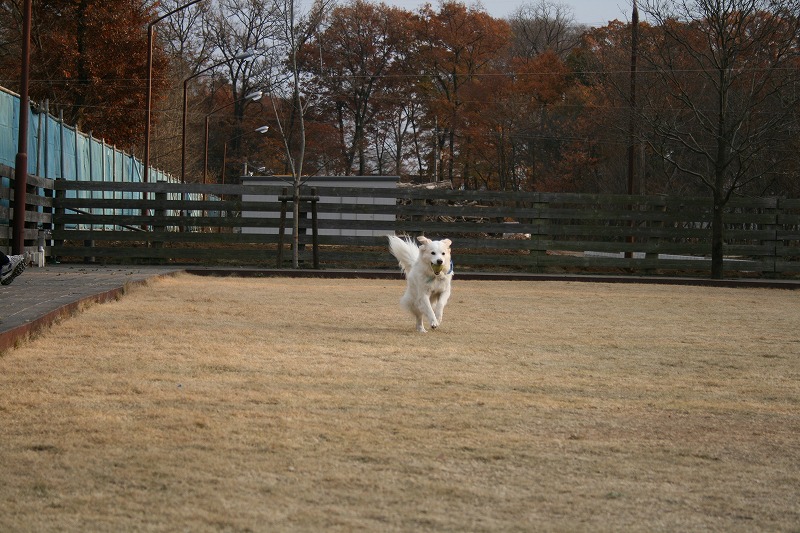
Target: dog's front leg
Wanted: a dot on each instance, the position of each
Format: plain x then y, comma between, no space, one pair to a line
438,310
438,306
429,313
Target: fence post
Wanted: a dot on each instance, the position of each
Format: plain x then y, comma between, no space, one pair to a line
89,243
539,231
58,216
282,226
772,243
314,228
653,241
629,237
418,218
159,227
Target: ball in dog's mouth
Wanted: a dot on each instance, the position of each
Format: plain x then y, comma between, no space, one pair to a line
437,269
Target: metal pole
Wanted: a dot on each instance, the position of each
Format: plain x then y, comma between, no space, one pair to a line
21,162
205,154
149,101
183,133
632,185
41,161
632,188
224,160
242,55
61,139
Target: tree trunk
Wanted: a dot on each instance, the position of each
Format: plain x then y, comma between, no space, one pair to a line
296,224
717,238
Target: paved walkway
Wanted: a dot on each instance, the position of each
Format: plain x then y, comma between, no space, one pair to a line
40,296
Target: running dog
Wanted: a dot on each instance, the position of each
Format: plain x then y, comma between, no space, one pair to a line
429,270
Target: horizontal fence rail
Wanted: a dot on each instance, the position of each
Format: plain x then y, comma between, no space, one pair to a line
497,231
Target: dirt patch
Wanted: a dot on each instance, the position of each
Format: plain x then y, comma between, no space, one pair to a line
283,404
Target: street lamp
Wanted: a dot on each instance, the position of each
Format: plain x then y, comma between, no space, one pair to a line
239,56
21,161
149,102
253,97
261,129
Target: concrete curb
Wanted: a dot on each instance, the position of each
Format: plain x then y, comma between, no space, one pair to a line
484,276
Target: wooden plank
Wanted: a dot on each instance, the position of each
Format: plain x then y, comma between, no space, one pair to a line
787,267
131,237
87,204
166,252
166,220
618,247
789,203
792,234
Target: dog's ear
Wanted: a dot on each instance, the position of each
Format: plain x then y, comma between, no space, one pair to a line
423,240
447,242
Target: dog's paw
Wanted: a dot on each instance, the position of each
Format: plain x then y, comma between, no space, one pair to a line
434,325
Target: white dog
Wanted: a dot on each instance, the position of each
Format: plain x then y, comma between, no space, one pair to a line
429,270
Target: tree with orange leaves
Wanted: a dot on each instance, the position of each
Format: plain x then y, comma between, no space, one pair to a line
356,62
458,48
88,58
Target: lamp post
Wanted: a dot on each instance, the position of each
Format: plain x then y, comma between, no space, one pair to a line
21,161
632,185
253,97
261,129
150,28
239,56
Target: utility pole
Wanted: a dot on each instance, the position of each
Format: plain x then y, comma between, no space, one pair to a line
21,162
632,186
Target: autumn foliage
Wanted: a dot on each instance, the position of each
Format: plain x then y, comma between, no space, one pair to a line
88,61
535,102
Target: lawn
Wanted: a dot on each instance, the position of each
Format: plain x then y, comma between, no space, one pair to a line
224,404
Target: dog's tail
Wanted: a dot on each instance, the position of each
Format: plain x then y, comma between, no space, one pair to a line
405,250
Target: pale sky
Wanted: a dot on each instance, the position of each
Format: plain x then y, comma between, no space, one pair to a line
591,12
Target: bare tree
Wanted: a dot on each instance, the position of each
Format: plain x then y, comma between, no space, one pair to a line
181,35
728,90
288,88
244,25
542,27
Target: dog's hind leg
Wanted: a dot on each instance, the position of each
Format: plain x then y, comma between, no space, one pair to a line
421,325
418,317
407,301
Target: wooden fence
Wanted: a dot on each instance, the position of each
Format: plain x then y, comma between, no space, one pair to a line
38,213
491,231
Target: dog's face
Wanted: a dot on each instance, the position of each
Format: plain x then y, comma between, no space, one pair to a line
435,252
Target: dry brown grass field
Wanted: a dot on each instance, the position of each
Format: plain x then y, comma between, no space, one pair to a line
205,404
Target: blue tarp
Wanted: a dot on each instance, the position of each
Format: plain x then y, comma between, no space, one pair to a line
56,150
